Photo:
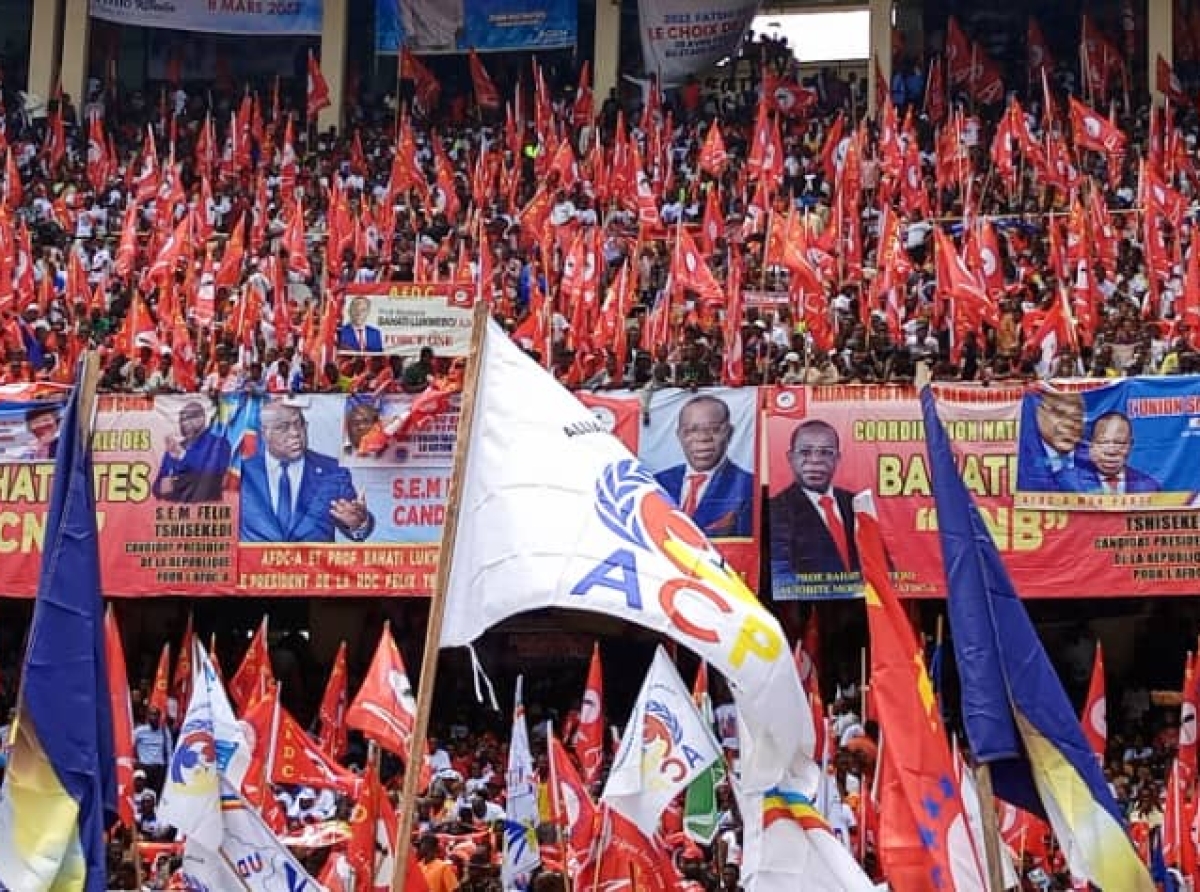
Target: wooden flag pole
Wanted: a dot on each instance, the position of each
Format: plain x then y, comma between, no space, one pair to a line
437,608
991,830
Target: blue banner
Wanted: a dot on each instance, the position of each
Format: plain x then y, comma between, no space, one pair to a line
454,26
1130,445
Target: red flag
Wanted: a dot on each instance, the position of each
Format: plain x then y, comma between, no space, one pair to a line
733,371
916,750
1093,131
592,732
1188,721
318,89
384,708
1095,709
625,859
160,693
254,677
122,716
713,157
13,191
426,88
1038,51
97,154
1178,846
582,112
1167,81
293,241
829,150
127,245
486,94
958,53
299,760
936,102
332,712
571,806
691,272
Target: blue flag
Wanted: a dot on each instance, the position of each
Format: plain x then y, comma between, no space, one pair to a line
59,793
1018,718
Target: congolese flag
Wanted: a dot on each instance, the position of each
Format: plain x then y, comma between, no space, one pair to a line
1018,718
60,792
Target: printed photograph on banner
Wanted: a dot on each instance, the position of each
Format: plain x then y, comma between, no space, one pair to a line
1132,445
404,319
29,431
196,451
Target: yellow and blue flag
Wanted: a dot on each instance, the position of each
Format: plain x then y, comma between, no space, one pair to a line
1018,718
60,793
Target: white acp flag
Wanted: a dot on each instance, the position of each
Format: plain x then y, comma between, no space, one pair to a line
555,512
521,803
666,746
248,856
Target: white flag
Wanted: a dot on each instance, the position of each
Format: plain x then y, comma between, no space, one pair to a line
666,746
555,512
521,804
247,856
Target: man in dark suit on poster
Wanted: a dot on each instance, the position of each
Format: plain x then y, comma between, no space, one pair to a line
291,493
709,487
812,521
355,335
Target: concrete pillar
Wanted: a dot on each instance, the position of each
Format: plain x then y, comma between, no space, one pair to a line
76,29
881,49
43,47
606,50
333,62
1160,41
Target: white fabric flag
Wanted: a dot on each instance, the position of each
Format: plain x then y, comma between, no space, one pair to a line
521,803
555,512
666,746
248,855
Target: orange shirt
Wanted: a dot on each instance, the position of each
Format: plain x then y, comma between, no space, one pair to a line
439,875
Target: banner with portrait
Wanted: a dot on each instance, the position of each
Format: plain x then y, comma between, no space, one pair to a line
294,17
854,444
1133,445
403,318
702,448
300,496
455,26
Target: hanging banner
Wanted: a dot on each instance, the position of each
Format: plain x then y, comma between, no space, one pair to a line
198,493
261,17
402,318
855,443
455,26
688,37
1133,445
701,446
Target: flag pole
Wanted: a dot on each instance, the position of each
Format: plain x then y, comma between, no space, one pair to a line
991,830
437,608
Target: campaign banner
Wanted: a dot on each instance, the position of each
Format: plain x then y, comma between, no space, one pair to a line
261,17
688,37
858,445
1133,445
702,448
29,430
247,496
456,26
402,318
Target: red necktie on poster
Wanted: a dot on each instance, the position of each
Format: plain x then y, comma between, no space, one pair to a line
691,496
833,520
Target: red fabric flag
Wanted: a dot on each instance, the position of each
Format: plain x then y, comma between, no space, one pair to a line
691,272
122,716
1037,50
318,90
1178,846
486,94
332,712
160,692
254,676
127,244
958,53
733,372
426,88
299,760
624,858
787,97
713,157
97,154
145,175
1167,82
829,151
293,241
1093,131
1101,59
571,806
915,752
13,191
137,329
765,160
1095,708
583,110
384,708
712,227
591,733
936,102
1188,721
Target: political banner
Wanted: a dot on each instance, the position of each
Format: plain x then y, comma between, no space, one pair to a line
456,26
402,319
1132,445
701,446
828,446
261,17
29,430
299,496
688,37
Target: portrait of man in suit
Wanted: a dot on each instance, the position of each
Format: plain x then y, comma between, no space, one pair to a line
812,521
1107,470
355,335
195,462
708,486
291,493
1050,459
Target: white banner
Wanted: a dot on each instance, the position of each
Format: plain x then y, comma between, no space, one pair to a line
403,318
299,17
682,37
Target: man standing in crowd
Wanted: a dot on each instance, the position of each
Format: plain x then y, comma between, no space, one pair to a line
194,465
709,487
812,521
152,747
292,494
